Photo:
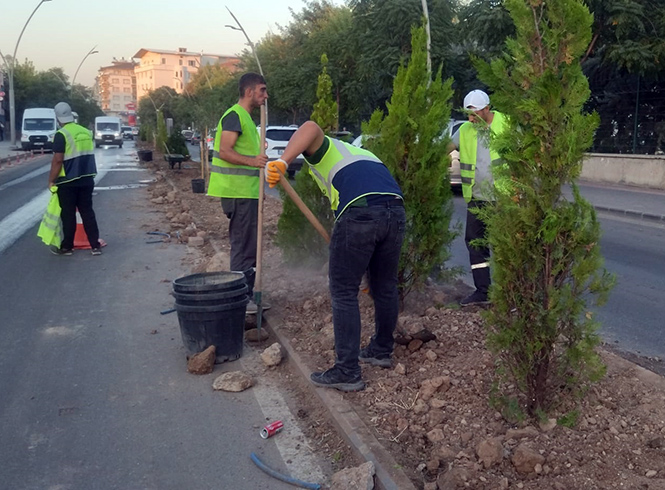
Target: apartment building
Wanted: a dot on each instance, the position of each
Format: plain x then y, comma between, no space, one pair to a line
160,68
116,88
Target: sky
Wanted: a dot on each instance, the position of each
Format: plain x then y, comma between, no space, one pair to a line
62,32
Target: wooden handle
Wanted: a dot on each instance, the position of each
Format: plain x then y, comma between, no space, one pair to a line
303,208
259,235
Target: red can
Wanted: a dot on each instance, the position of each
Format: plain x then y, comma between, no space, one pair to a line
272,429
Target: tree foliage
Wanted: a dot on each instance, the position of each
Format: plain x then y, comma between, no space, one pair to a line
300,242
409,141
546,259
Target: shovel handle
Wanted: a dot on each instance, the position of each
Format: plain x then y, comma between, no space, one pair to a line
284,181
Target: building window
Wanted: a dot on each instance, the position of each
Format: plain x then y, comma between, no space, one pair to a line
116,97
180,62
126,90
191,63
128,97
176,74
163,61
126,81
115,80
116,107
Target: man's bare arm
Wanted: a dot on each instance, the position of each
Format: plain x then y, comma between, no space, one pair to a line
228,154
56,166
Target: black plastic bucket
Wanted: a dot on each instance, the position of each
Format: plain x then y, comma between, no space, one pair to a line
209,282
145,155
198,186
211,299
220,325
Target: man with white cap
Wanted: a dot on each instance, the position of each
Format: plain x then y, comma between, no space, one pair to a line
73,171
473,140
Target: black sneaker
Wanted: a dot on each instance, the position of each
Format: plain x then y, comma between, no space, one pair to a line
96,251
475,299
381,360
61,251
334,378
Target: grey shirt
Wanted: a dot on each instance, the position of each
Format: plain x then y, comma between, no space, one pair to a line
483,177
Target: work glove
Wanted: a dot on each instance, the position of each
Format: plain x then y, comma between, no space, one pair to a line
274,172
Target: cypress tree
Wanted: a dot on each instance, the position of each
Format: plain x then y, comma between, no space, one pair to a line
546,261
409,141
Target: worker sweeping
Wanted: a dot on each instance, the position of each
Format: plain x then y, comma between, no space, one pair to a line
367,236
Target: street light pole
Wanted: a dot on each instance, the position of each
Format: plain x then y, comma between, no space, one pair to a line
251,45
11,67
92,51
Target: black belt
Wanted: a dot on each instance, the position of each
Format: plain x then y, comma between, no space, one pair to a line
393,203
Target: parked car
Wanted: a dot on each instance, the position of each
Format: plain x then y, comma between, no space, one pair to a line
210,142
135,131
196,138
127,133
277,138
187,134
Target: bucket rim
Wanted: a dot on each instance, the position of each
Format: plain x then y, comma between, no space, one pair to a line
190,283
241,291
213,308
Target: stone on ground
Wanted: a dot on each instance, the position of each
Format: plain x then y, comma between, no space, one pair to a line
525,459
251,335
272,356
203,362
233,381
358,478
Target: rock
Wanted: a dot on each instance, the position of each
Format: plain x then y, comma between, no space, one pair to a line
169,215
233,381
490,452
431,386
466,437
503,483
327,337
400,369
435,417
431,355
525,433
189,231
525,459
201,234
195,241
435,435
157,200
452,479
430,486
252,333
203,362
185,218
446,454
651,473
547,425
414,345
437,403
656,443
272,356
220,262
420,407
360,478
424,335
433,465
170,196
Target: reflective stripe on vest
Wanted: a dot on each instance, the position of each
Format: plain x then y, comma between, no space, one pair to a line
79,156
230,180
468,153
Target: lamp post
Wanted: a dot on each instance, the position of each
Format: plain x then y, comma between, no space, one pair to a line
10,71
92,51
251,45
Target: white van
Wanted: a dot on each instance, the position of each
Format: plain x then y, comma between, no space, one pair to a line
107,131
38,128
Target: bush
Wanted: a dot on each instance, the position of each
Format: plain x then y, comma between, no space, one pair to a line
161,135
146,133
177,144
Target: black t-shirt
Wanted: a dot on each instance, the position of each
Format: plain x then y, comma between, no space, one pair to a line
231,122
59,143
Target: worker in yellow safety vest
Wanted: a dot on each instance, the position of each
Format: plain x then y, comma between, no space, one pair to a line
234,177
477,159
73,171
369,229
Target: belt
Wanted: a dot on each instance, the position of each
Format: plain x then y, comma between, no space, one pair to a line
393,203
381,203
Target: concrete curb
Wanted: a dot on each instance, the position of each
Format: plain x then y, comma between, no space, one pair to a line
389,475
632,214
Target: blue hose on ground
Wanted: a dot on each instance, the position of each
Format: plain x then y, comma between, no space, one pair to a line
284,478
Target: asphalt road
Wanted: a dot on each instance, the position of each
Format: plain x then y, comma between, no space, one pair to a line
95,393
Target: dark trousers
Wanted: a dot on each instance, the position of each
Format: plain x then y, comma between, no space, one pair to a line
79,197
478,256
365,239
243,215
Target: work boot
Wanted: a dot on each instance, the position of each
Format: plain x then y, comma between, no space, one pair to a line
61,251
382,360
334,378
474,299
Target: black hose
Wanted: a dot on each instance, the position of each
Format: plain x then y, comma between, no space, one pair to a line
284,478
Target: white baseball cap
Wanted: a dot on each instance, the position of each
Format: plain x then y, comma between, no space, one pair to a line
63,112
476,100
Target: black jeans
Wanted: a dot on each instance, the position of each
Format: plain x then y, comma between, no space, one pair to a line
365,239
478,256
72,197
243,215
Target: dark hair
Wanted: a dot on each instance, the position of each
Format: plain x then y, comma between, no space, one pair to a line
250,80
